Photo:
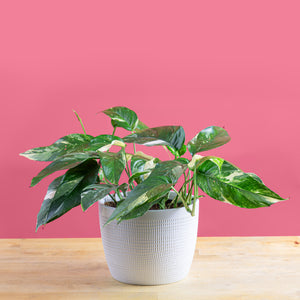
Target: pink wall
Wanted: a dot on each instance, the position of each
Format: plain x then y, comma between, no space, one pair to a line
197,63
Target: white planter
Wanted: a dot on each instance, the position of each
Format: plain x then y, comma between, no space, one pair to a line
156,248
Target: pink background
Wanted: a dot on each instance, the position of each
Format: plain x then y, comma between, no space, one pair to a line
194,63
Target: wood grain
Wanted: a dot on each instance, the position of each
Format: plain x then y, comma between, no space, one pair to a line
244,268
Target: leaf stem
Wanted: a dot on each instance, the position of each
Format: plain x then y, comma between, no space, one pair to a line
114,131
128,174
115,201
181,198
79,119
195,193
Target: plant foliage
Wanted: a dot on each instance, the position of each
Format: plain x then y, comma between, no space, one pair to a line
93,171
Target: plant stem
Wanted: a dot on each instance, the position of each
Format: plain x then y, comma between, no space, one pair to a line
128,174
167,151
115,201
79,119
114,131
195,193
134,148
183,201
189,196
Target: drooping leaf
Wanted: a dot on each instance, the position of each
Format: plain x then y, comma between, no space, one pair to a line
207,139
95,192
155,186
225,182
67,161
172,136
122,117
113,164
68,144
64,192
101,141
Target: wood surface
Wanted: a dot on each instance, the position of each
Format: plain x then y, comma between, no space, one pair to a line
244,268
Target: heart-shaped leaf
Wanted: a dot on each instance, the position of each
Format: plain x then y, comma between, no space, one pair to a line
68,144
64,192
225,182
155,186
113,164
207,139
122,117
95,192
62,163
172,136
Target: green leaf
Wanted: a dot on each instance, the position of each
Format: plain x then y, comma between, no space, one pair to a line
138,177
141,162
68,144
169,171
64,192
155,186
207,139
141,126
142,209
123,187
147,191
62,163
101,141
113,164
95,192
225,182
179,152
122,117
172,136
254,176
183,160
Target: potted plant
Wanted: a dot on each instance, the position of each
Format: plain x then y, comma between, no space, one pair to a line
149,220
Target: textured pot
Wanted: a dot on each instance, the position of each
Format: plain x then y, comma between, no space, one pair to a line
156,248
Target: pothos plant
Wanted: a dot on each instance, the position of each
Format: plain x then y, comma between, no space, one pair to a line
94,171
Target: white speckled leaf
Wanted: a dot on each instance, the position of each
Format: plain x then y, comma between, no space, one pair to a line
68,144
207,139
225,182
172,136
123,117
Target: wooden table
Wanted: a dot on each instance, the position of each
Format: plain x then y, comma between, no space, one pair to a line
264,268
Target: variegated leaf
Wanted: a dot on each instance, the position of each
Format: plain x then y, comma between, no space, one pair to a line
225,182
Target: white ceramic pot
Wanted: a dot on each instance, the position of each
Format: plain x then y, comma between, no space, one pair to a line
156,248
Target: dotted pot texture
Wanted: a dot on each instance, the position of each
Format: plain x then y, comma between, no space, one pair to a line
156,248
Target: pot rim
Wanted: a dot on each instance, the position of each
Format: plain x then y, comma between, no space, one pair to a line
101,203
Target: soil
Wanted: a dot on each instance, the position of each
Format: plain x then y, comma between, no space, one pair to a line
154,207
